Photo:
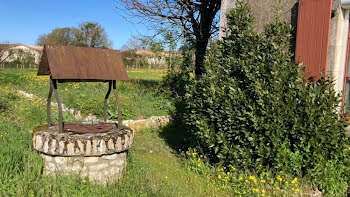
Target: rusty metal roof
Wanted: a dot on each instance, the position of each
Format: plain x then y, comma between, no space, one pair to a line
72,63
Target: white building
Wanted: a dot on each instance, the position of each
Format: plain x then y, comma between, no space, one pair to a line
10,52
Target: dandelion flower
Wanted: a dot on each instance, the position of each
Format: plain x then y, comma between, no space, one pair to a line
251,177
295,180
279,179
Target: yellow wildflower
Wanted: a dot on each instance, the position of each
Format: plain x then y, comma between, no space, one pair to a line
219,176
251,177
279,179
296,190
256,190
294,180
263,181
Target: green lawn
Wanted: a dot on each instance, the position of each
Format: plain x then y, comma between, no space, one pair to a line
139,96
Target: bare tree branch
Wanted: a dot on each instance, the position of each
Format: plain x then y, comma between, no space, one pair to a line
197,19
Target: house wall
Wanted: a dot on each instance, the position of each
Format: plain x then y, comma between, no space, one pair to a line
337,50
16,50
264,11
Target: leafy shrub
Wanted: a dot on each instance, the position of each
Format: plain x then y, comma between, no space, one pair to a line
252,108
174,85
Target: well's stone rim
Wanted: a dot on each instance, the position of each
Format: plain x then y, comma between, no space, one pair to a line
53,143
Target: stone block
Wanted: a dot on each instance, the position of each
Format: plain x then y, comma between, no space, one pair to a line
91,159
60,147
46,146
70,148
53,146
110,157
110,144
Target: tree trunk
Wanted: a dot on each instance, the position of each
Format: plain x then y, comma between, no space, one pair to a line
201,46
226,6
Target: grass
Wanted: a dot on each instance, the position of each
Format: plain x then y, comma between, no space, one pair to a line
139,97
153,169
156,167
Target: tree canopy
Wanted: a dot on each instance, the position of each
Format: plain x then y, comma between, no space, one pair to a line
89,34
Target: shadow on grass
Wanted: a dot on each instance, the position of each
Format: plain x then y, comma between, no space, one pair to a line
177,137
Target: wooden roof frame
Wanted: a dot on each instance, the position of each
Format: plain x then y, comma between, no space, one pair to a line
81,64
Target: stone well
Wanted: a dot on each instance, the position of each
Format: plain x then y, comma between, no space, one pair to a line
99,156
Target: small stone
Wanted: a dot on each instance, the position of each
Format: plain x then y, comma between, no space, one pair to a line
46,147
81,146
38,142
102,147
110,157
60,147
88,147
118,144
94,146
53,146
126,141
70,148
131,139
110,144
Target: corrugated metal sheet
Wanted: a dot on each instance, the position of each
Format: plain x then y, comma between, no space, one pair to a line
71,63
313,35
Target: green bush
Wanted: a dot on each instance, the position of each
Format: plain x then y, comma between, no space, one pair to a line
252,108
174,85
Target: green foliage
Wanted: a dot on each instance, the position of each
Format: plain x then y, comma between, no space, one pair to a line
175,83
252,108
88,34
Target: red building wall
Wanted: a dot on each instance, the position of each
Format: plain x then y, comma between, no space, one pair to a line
314,18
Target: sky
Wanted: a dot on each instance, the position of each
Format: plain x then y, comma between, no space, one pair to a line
24,20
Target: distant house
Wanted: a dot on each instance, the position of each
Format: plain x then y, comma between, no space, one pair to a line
12,52
148,59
